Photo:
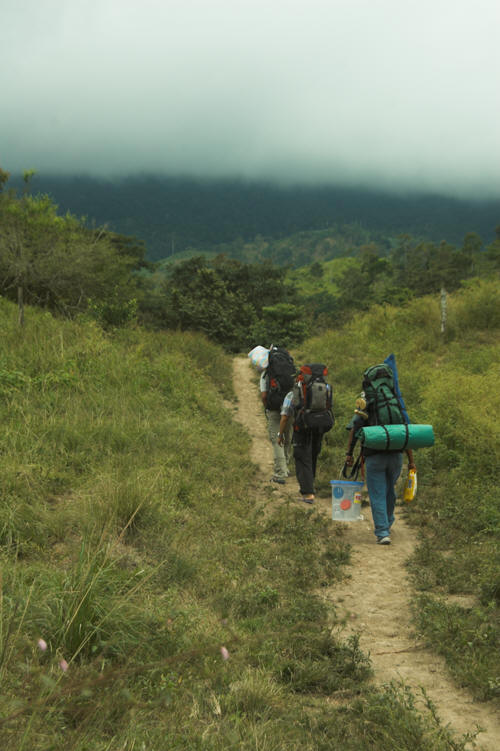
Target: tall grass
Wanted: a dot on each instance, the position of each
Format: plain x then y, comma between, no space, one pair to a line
146,601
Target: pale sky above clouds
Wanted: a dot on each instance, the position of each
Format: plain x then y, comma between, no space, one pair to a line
389,93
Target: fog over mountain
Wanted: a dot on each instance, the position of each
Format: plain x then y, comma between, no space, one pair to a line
374,93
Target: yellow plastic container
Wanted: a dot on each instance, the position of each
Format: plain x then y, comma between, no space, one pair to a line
411,486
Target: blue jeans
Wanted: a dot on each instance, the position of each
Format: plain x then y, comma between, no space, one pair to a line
382,471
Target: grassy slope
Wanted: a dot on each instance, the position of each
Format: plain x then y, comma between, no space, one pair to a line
131,545
452,383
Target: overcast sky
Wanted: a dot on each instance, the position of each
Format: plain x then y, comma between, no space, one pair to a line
391,93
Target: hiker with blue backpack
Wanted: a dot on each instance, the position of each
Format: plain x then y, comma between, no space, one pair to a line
308,408
380,404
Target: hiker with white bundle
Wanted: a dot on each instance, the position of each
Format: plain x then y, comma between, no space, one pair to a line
383,427
308,407
277,371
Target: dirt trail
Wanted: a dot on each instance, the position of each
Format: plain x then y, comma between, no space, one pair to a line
375,599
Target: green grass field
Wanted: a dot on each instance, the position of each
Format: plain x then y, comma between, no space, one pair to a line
132,551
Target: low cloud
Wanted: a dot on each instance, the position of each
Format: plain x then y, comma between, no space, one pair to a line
371,92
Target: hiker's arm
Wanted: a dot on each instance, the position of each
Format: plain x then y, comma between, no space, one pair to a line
283,424
350,447
411,461
264,387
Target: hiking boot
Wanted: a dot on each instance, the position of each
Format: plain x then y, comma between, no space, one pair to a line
279,480
384,540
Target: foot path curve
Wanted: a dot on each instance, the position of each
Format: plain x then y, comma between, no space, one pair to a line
374,600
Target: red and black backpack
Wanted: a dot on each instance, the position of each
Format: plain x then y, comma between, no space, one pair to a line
312,399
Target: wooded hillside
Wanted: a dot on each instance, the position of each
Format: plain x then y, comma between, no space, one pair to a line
170,215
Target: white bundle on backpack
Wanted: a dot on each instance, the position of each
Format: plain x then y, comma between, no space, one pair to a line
259,357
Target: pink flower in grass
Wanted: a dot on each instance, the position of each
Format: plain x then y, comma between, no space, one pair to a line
63,665
42,645
224,653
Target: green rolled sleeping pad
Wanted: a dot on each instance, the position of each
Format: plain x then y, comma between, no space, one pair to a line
397,437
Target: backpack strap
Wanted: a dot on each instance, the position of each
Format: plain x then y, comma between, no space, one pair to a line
407,436
353,474
388,439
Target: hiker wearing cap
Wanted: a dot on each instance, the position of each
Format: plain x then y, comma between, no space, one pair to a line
379,404
308,407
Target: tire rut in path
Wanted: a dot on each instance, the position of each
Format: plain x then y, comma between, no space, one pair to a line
375,598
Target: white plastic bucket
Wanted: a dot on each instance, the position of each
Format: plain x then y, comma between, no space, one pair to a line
346,500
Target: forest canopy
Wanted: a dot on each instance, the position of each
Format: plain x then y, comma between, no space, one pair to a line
59,262
171,215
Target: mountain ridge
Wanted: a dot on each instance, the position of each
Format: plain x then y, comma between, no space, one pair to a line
172,214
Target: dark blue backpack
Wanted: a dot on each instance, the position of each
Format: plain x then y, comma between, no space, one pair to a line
281,374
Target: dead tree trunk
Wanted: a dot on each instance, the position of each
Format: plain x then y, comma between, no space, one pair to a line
443,309
20,305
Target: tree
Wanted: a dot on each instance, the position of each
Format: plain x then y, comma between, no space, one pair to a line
493,250
282,323
472,243
358,284
372,265
316,270
55,261
226,299
27,227
198,298
4,177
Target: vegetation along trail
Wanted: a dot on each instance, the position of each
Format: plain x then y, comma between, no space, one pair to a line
374,600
